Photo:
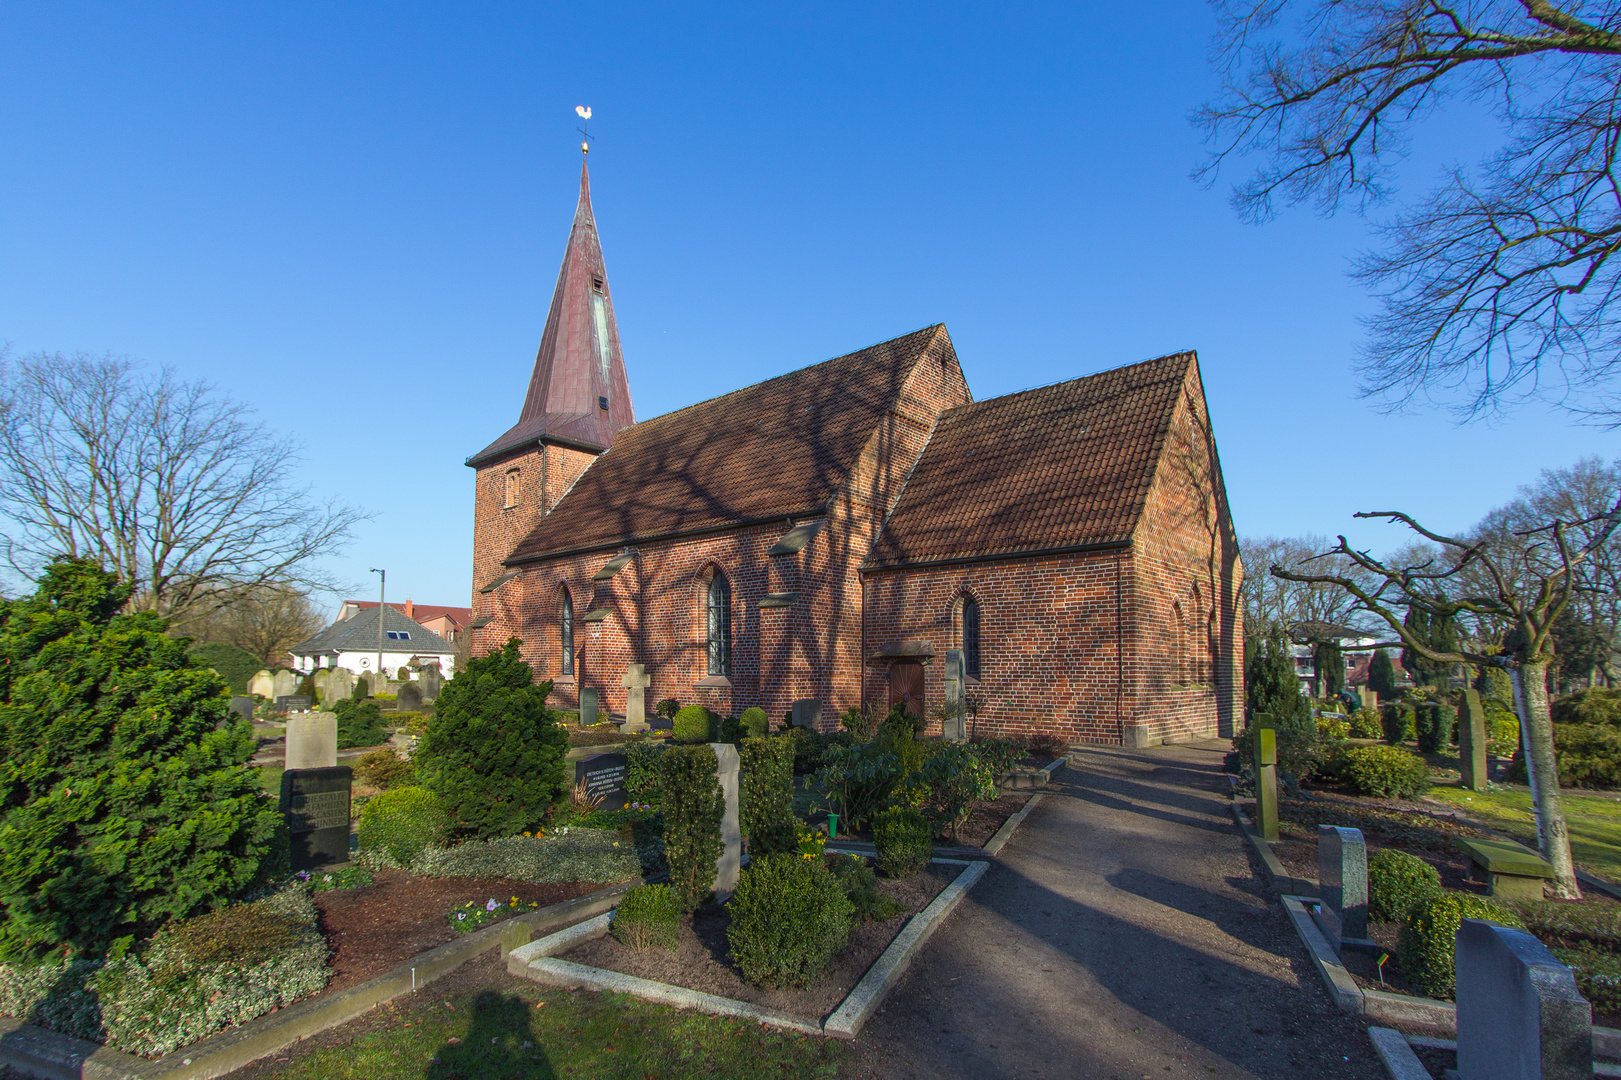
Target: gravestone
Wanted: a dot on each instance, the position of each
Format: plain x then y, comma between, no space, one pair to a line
1370,700
635,683
262,685
730,863
243,707
315,804
808,714
340,686
293,702
1266,777
283,684
321,677
409,698
1520,1016
1472,742
1342,875
431,680
604,775
588,707
954,726
312,740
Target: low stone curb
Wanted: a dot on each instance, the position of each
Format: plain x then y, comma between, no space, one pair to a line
1279,878
1398,1057
37,1052
537,960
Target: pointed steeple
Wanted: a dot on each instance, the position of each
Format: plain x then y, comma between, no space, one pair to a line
578,394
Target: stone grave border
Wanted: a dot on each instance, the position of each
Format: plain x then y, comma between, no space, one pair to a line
1398,1011
537,961
952,851
38,1052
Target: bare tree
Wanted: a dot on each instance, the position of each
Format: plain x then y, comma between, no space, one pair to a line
167,483
1526,588
1274,601
1498,285
266,621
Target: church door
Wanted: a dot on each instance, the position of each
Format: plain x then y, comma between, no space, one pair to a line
906,686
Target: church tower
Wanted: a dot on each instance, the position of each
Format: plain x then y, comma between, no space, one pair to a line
578,399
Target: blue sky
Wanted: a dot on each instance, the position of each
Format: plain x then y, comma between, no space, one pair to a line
351,217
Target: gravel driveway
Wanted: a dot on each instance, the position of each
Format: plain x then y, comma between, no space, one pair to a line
1121,934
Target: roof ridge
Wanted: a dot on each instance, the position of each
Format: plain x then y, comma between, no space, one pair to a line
1189,354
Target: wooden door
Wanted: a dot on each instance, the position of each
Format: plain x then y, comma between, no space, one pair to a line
906,686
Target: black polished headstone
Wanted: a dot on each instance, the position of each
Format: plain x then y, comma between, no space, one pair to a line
243,707
292,702
588,707
315,804
604,776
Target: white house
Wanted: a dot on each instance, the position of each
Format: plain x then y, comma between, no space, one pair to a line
352,643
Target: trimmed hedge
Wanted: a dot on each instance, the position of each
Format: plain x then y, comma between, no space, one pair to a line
1428,939
756,724
236,665
1589,756
693,804
1397,881
904,840
1599,705
1435,722
1365,724
570,854
767,794
1397,723
694,724
1387,772
642,759
649,916
790,917
402,822
360,723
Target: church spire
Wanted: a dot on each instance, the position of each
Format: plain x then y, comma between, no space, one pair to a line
578,393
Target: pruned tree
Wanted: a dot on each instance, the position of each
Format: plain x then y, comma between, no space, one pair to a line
167,483
1511,588
1499,284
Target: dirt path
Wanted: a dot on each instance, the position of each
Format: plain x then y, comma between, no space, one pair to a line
1121,934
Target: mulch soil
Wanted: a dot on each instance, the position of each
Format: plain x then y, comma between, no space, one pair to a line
978,829
376,929
700,962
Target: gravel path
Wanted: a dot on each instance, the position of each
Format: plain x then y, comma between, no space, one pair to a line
1121,934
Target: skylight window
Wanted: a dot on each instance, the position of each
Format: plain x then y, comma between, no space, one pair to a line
398,635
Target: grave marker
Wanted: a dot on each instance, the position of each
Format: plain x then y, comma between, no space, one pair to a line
312,740
1342,875
262,685
321,677
431,679
243,707
1266,777
292,702
315,804
588,707
604,775
409,698
340,686
1520,1016
1472,742
807,714
954,726
730,863
283,684
635,683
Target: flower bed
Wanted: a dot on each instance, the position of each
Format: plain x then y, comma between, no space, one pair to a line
465,918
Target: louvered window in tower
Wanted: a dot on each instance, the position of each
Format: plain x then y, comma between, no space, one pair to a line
720,626
599,317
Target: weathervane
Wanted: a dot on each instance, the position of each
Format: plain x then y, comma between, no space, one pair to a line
584,113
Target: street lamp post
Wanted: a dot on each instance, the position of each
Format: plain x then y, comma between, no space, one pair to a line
382,595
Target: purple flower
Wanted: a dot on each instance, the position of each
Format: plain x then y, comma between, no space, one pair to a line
491,906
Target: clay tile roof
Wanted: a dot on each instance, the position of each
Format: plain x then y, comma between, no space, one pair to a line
773,450
1064,466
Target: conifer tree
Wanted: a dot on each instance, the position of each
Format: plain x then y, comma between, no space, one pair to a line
126,799
1382,674
493,752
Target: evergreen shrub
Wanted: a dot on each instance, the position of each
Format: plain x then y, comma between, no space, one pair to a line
126,799
642,770
359,724
1435,721
236,665
692,803
904,840
568,854
789,918
756,723
1386,772
1396,720
1589,756
649,916
1599,705
667,707
1397,881
857,780
694,724
306,686
956,780
1365,724
402,823
1428,939
767,794
860,886
493,753
384,769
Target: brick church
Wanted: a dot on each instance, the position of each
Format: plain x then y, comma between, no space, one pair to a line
827,535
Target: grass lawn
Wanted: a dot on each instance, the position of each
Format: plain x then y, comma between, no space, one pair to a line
1594,819
270,776
516,1029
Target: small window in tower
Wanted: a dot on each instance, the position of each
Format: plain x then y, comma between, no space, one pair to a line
602,403
512,489
596,283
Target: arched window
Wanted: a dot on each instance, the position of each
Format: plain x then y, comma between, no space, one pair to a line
566,632
1179,647
720,625
970,637
512,489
